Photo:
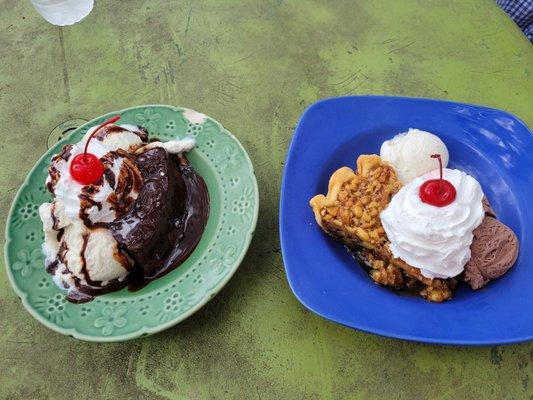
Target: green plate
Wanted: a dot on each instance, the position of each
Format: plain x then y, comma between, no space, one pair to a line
122,315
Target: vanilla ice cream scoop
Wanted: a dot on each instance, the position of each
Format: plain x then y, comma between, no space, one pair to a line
410,153
434,239
76,255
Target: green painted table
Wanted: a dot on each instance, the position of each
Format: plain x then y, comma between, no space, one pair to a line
255,66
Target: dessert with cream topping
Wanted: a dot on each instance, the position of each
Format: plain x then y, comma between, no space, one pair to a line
124,211
413,225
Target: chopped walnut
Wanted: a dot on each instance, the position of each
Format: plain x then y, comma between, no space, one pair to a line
359,202
439,290
388,276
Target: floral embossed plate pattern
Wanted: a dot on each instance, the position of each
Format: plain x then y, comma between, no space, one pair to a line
228,173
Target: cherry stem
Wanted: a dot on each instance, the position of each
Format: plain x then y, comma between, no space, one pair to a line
109,121
438,157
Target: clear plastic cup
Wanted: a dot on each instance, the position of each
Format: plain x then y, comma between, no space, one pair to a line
63,12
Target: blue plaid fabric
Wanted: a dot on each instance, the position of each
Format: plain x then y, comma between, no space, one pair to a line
521,11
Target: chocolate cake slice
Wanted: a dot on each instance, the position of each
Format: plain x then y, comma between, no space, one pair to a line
165,213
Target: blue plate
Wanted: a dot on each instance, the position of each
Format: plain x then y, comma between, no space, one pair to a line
493,146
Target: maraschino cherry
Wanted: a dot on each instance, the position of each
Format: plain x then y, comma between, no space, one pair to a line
86,168
437,192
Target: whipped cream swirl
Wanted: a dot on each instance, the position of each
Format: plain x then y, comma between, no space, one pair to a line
434,239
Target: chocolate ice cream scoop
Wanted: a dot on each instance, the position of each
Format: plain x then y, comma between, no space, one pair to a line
494,251
487,207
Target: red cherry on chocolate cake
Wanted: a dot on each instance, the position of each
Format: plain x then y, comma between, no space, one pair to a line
437,192
86,168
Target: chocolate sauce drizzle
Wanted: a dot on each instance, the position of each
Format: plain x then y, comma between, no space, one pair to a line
84,271
109,130
53,172
87,202
55,221
52,267
109,177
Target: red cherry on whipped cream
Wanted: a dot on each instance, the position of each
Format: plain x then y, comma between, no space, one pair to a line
86,168
437,192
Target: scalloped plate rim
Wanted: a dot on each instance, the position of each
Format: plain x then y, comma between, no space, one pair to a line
144,330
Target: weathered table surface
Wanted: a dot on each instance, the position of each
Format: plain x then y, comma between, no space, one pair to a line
255,66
